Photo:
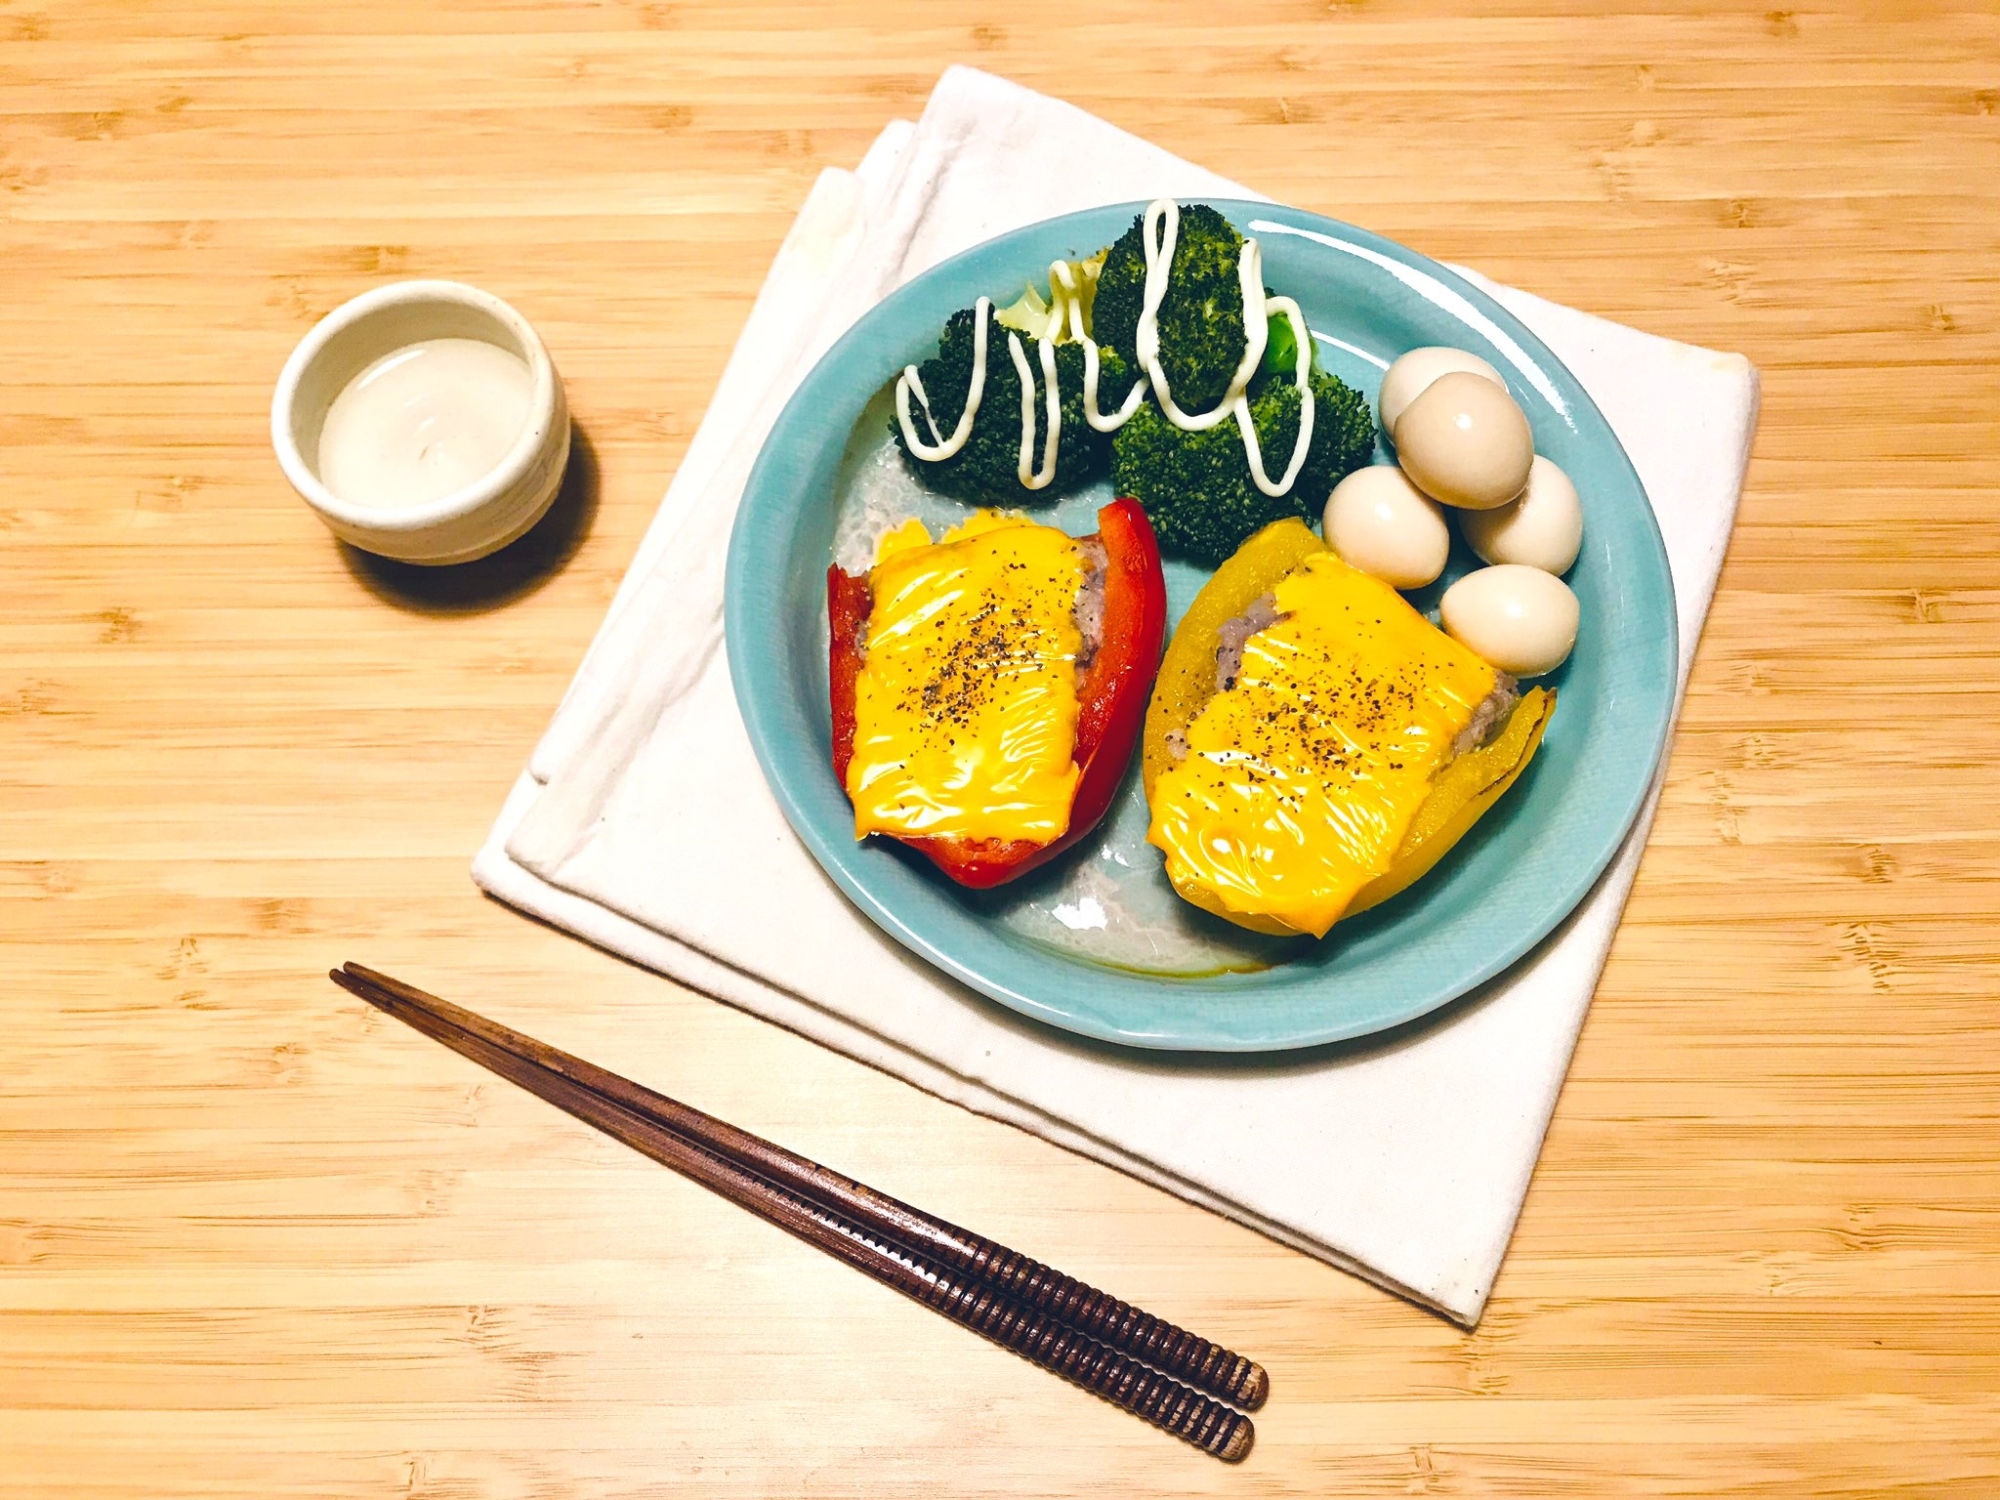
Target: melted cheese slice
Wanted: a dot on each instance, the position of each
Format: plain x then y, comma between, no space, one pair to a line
965,708
1301,780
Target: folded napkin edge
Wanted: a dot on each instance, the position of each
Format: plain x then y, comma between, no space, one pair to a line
498,874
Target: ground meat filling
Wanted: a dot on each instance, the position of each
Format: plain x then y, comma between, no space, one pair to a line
1089,611
1487,719
1234,634
1230,640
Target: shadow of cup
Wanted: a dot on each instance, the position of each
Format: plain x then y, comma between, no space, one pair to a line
514,572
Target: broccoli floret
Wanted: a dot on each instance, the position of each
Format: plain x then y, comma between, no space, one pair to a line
1121,292
1201,318
1196,486
987,468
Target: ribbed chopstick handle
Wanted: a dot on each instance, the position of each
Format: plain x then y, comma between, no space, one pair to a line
1137,1332
1148,1394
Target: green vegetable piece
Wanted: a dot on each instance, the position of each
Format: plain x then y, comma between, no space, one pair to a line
1028,313
1201,318
1196,486
1281,350
987,469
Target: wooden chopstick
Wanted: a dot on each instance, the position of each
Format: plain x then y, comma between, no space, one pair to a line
1204,1365
926,1258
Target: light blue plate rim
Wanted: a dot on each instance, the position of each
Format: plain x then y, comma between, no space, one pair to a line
1290,1006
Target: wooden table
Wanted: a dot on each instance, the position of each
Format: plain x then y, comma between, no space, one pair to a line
256,1241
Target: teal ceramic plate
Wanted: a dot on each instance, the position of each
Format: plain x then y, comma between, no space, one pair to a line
1097,942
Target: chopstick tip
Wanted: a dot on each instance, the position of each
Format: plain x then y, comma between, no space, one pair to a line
1237,1448
1255,1387
357,986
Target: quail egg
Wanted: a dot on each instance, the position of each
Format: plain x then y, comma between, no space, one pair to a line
1520,619
1544,528
1379,522
1465,443
1405,380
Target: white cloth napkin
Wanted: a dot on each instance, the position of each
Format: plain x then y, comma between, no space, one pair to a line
644,825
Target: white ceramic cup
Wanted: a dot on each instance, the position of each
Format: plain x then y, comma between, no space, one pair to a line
471,521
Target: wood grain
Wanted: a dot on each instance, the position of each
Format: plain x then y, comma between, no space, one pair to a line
257,1241
842,1218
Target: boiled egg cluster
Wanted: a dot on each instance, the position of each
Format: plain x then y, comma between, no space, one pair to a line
1464,446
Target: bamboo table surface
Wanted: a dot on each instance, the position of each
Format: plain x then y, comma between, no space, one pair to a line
257,1241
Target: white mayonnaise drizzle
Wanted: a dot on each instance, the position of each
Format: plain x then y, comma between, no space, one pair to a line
1157,234
1029,476
1062,285
910,380
939,447
1301,362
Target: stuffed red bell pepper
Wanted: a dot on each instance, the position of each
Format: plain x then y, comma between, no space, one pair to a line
988,688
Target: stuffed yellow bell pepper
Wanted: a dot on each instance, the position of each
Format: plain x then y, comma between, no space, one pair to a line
1314,744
